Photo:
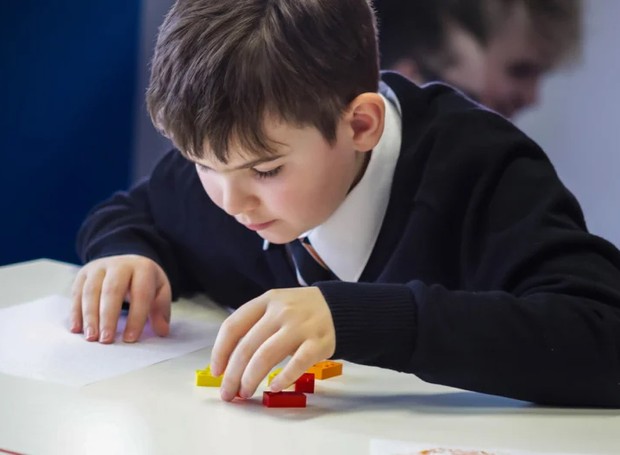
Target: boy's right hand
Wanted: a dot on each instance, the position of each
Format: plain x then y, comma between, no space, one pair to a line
102,285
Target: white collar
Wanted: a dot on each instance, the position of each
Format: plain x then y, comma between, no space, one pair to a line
346,240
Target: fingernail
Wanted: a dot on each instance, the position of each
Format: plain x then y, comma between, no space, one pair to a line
226,395
130,336
90,333
242,394
104,335
274,387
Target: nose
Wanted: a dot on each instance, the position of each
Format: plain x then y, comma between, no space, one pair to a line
236,199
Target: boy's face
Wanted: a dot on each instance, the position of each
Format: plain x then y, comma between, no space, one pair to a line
507,73
517,59
287,194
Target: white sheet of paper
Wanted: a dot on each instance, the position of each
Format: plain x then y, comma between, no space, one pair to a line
35,342
390,447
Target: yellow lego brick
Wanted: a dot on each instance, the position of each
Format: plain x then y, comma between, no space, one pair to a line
326,369
205,379
272,375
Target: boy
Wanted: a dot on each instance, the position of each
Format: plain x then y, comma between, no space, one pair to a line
441,242
497,51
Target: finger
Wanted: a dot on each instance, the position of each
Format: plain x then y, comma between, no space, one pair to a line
142,294
91,295
241,356
306,356
232,330
76,307
113,291
273,351
160,310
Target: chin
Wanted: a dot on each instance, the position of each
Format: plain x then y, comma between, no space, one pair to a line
278,238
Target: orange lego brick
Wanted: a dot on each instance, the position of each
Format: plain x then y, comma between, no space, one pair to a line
326,369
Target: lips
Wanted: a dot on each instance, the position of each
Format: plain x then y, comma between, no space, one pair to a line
259,226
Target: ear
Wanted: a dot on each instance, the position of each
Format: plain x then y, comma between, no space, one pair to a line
365,115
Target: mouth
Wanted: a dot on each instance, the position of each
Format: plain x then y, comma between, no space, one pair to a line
259,226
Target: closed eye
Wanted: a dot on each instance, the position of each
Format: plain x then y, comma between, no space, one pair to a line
267,174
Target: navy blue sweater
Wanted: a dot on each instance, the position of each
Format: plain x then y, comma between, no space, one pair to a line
483,277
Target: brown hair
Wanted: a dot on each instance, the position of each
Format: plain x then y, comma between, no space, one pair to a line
417,28
558,23
221,67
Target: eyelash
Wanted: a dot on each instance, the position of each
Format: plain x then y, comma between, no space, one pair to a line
267,174
259,174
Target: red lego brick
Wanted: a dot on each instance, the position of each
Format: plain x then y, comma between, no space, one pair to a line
305,383
284,400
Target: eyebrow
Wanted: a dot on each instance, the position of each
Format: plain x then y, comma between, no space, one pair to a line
249,164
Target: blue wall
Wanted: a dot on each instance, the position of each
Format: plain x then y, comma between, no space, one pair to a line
67,83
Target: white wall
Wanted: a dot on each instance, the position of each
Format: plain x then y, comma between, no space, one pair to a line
578,121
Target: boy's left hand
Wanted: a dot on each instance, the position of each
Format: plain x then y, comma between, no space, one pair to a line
264,331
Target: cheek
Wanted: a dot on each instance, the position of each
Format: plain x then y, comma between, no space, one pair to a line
497,82
302,198
328,186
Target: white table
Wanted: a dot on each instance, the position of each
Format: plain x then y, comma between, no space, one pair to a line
159,410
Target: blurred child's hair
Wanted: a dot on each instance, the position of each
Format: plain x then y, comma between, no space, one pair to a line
417,29
558,23
223,67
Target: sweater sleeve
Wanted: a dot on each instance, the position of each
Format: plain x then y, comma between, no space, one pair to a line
125,224
536,313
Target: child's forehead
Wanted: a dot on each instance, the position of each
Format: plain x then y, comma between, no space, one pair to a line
277,137
237,155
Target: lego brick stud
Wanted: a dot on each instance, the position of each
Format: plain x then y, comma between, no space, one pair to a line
326,369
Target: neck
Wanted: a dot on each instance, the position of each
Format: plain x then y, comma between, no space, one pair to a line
362,164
